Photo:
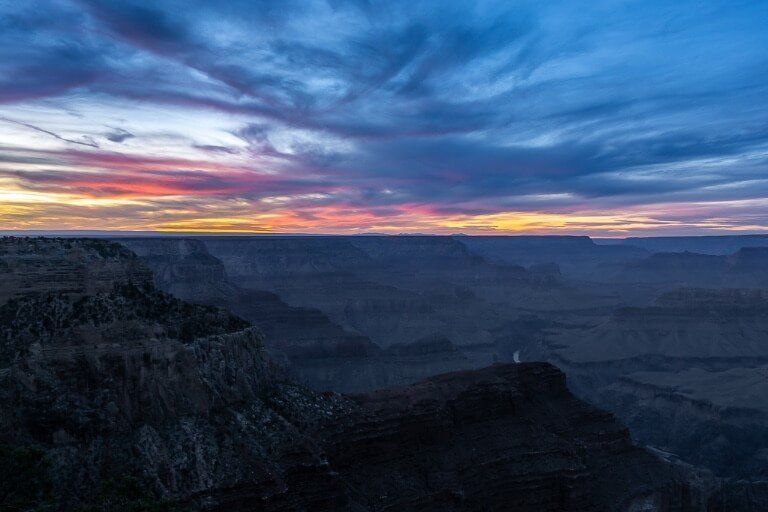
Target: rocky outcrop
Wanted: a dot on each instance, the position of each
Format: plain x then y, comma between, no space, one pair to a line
189,405
315,350
717,245
189,420
78,267
745,268
509,437
133,382
183,267
576,255
249,258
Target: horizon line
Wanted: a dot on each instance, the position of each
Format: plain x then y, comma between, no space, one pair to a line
181,234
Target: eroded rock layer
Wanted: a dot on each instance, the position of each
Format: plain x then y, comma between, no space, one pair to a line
183,399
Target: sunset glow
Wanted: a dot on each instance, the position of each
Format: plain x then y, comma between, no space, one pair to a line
483,117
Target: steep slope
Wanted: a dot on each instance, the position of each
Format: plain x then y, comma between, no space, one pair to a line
397,289
356,290
38,266
133,382
509,437
198,415
248,258
685,375
183,267
316,351
576,255
684,323
717,245
415,250
745,268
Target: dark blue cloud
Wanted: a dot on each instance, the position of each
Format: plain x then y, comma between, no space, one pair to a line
41,53
441,103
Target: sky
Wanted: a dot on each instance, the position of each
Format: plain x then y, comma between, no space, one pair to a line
605,118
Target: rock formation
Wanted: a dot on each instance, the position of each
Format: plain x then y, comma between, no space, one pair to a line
717,245
38,266
648,350
745,268
124,381
509,437
316,351
577,256
686,374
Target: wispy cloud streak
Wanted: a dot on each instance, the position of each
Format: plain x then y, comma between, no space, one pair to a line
341,115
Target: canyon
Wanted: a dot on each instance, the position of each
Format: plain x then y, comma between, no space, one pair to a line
376,373
632,341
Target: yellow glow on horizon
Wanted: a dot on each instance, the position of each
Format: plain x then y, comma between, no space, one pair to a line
19,198
524,222
22,208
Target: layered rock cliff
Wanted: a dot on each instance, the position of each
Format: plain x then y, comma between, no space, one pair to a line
183,399
132,382
317,351
717,245
576,255
183,267
509,437
38,266
687,375
745,268
397,289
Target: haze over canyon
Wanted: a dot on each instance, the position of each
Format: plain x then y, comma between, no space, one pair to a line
383,256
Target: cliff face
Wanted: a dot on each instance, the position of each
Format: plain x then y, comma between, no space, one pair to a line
317,351
248,258
191,406
721,245
575,255
397,289
687,375
38,266
685,414
686,323
133,382
183,267
347,314
745,268
192,421
509,437
415,250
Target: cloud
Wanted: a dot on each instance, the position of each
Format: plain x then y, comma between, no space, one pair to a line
39,54
118,135
84,140
393,109
213,148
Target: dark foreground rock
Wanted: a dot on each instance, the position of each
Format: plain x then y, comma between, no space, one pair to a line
140,401
508,437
